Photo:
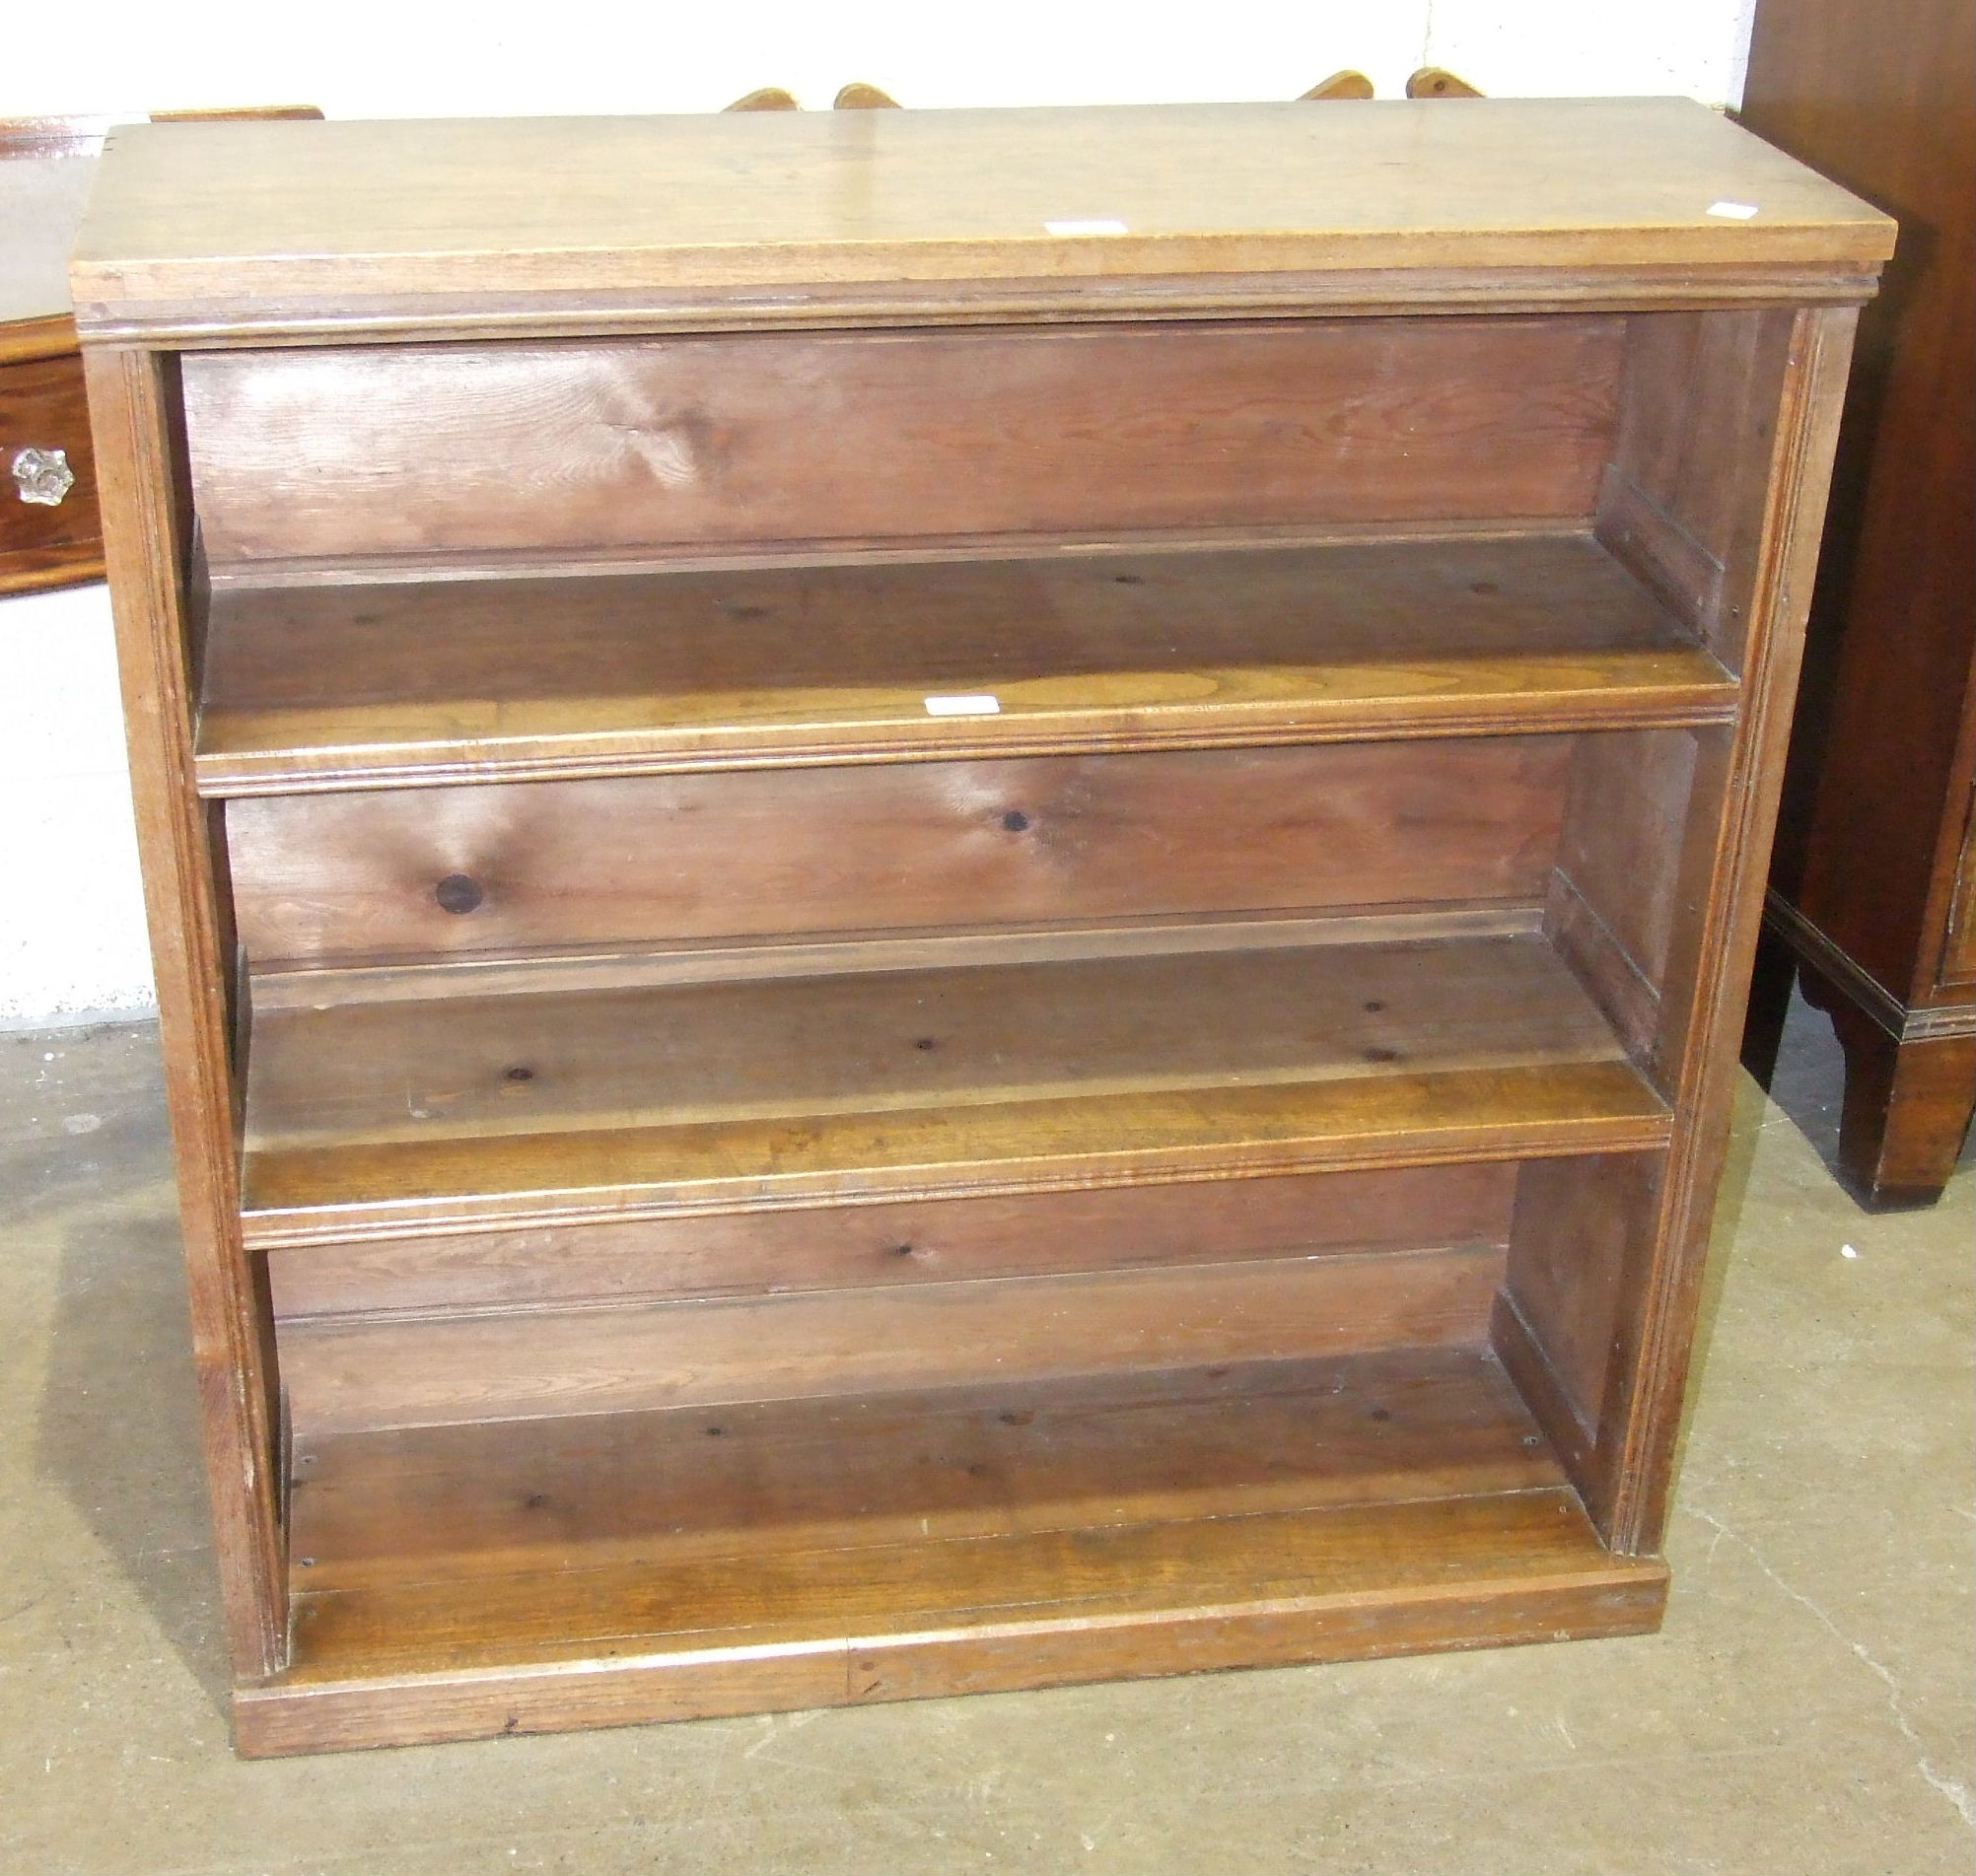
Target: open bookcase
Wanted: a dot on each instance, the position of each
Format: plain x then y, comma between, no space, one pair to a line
907,946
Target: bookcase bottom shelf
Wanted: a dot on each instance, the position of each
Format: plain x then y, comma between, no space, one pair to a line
459,1581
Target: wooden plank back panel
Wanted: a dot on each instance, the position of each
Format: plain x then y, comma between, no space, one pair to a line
931,1241
434,1371
634,445
342,877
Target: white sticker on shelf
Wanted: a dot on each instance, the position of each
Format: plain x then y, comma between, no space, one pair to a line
1732,211
1099,227
964,706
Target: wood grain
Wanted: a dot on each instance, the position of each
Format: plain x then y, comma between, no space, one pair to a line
1880,786
306,1195
640,446
841,954
190,928
1607,971
1697,404
1299,1510
385,1507
1580,1231
270,221
1906,1105
46,168
1723,865
335,686
1338,87
353,878
934,1241
424,1372
874,1042
537,1056
1479,1599
1621,845
43,407
368,1120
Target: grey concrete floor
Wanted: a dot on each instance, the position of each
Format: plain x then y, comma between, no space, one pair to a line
1806,1709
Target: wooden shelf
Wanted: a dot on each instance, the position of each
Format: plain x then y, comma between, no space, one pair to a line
336,686
376,1117
780,1555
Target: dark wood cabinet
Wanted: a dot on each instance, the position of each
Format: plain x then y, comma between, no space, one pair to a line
1871,888
49,534
949,900
49,531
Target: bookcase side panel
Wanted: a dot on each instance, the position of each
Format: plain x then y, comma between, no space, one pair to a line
1773,555
145,530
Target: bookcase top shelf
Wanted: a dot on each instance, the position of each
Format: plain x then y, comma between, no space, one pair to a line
205,231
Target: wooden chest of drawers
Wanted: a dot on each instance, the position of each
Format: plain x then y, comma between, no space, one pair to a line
1873,886
49,533
949,900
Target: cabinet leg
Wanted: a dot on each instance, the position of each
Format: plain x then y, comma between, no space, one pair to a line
1769,1002
1907,1105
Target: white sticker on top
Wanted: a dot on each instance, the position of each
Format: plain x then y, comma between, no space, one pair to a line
1732,211
964,706
1085,227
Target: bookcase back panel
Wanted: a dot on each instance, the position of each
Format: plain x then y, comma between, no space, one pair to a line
918,1241
641,447
340,879
427,1371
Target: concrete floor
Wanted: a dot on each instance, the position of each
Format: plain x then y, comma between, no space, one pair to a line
1806,1708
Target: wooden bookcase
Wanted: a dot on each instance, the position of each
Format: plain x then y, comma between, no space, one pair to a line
717,1177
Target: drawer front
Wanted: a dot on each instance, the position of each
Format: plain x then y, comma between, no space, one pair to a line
342,878
629,447
43,407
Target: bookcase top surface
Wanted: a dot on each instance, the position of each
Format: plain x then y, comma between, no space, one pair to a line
239,226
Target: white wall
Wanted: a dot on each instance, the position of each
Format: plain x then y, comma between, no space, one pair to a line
71,938
71,921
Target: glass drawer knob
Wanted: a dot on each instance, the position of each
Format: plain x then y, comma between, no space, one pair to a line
44,476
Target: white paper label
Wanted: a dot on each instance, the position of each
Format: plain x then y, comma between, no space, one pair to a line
1085,227
1732,211
964,706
